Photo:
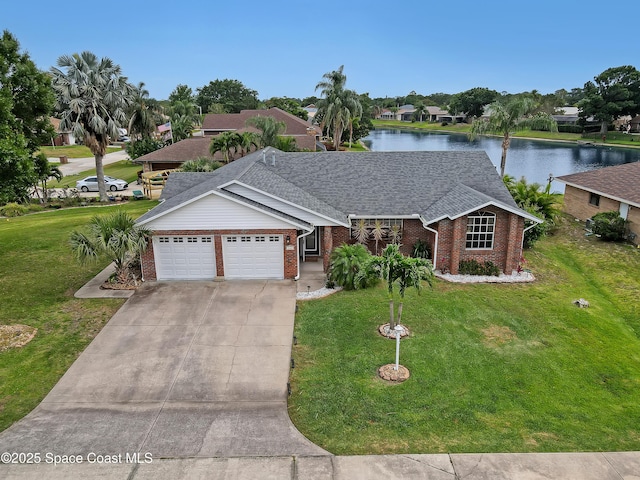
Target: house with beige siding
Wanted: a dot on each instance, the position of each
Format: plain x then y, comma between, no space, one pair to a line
606,189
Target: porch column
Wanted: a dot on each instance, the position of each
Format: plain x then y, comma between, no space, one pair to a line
327,246
457,243
514,251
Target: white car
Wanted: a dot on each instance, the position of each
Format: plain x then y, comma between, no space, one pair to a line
90,184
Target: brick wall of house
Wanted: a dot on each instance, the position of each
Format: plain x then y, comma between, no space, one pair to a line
290,255
576,203
148,263
507,242
506,251
305,142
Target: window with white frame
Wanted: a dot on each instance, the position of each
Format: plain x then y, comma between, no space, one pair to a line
480,230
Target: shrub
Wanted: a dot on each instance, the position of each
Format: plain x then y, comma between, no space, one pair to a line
473,267
421,249
610,226
346,262
141,147
200,164
14,210
570,128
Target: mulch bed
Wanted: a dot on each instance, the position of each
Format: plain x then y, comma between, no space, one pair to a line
388,373
15,336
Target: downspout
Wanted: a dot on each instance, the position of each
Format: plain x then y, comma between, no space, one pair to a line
524,231
301,249
435,245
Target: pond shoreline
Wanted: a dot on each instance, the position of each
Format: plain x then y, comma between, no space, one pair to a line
583,142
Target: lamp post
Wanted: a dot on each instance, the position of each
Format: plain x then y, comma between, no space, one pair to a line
398,330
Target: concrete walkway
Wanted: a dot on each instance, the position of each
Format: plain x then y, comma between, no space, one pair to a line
77,165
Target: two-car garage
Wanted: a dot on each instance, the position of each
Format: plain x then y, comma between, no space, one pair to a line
182,257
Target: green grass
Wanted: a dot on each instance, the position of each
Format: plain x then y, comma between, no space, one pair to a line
494,368
124,169
38,277
73,151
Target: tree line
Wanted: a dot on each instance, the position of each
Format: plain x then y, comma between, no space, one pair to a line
93,100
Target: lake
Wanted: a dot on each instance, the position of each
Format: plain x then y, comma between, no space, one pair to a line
533,159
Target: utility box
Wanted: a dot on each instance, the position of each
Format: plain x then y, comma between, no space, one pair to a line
64,160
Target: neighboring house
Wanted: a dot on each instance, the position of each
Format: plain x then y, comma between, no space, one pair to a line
311,111
406,113
174,155
567,115
263,214
305,134
604,190
63,137
635,124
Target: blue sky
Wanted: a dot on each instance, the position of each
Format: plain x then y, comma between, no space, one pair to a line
283,47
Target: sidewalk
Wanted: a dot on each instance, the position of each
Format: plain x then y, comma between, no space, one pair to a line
77,165
500,466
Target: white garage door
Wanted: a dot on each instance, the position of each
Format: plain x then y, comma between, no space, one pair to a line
184,257
253,256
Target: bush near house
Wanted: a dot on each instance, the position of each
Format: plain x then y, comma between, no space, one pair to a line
610,226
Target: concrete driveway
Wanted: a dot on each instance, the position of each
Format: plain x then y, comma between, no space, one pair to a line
184,369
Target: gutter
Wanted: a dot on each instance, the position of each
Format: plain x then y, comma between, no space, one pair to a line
435,243
300,249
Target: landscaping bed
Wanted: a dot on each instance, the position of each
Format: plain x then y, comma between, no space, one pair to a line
494,368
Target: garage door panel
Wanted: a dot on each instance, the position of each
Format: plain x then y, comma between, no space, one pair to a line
184,257
253,256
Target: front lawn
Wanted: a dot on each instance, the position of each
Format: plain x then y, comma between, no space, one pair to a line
38,277
124,169
73,151
494,368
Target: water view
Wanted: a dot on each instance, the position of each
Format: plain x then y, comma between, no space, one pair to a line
534,160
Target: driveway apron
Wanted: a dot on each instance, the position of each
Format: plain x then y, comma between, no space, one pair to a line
184,369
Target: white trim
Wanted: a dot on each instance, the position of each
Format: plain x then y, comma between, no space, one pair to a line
236,182
597,192
353,216
435,246
300,237
221,195
487,215
506,208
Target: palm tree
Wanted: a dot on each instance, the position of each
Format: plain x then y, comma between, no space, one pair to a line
338,107
420,109
395,268
43,171
114,236
270,129
248,140
410,273
286,144
93,97
225,142
200,164
516,114
181,127
142,120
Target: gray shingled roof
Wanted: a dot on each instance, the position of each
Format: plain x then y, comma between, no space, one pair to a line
337,184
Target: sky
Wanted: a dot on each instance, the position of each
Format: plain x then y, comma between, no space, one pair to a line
283,47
